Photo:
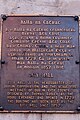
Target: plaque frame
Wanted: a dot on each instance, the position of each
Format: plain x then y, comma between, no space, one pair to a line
4,17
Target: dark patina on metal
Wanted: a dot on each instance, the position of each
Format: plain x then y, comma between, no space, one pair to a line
40,63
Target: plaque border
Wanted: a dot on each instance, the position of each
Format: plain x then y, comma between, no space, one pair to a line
38,15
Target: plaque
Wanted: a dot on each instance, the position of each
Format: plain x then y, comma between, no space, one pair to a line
39,63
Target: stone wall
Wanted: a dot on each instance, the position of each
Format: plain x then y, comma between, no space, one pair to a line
45,7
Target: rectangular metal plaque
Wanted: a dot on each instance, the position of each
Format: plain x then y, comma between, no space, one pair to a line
40,63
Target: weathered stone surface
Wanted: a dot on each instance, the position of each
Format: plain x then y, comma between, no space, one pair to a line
61,117
52,7
21,116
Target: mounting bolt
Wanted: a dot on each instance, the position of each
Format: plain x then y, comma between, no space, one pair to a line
77,62
1,108
4,17
2,62
78,109
76,18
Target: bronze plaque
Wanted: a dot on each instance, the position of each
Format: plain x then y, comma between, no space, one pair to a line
40,63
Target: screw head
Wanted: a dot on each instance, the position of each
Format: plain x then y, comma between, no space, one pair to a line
4,17
1,108
2,62
76,18
77,62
